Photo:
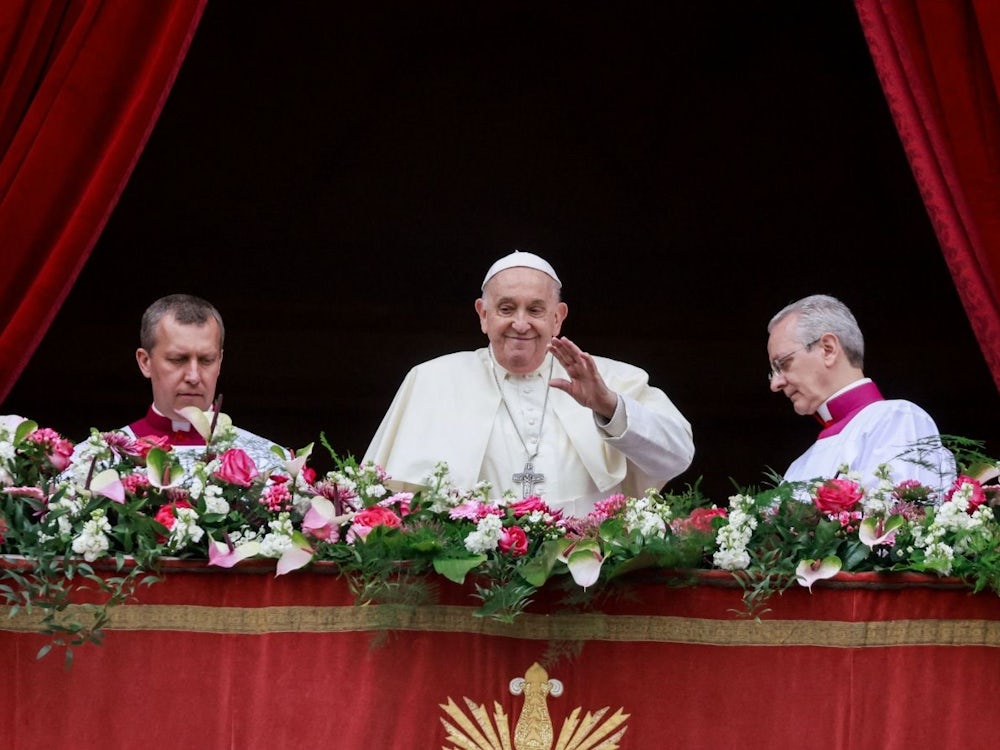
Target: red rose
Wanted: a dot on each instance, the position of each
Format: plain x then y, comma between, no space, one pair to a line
699,520
978,496
167,515
377,516
145,444
236,467
837,495
514,541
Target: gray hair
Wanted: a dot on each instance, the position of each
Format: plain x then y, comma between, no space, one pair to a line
819,314
186,309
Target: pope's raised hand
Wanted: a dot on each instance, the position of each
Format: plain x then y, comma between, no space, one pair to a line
585,385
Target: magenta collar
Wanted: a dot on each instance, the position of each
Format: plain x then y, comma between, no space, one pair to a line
844,408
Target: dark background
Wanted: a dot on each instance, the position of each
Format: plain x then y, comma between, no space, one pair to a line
337,179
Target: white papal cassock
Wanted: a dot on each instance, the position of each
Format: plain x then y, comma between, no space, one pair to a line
450,409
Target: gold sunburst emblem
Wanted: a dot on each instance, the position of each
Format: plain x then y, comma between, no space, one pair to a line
476,731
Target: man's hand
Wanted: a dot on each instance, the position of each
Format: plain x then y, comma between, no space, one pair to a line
586,385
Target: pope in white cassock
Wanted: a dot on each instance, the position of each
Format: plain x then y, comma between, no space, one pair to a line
816,351
532,414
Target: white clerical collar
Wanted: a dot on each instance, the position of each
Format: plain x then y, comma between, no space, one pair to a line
824,411
175,424
540,372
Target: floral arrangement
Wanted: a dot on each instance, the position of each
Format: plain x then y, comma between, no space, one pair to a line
129,503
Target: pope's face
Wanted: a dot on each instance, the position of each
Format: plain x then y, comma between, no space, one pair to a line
183,365
520,312
801,373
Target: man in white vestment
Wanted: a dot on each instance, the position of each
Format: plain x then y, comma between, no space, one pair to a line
532,414
816,351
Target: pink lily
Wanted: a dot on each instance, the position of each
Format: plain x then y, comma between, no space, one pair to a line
225,555
296,556
875,530
109,484
322,521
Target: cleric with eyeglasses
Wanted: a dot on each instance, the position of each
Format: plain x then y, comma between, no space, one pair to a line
816,352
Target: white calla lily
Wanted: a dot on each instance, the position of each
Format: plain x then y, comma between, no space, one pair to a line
809,571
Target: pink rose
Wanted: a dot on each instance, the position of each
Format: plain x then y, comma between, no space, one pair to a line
514,541
837,495
236,467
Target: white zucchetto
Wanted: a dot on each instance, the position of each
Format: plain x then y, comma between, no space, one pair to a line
518,259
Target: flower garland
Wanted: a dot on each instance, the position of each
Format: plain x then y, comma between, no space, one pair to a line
114,497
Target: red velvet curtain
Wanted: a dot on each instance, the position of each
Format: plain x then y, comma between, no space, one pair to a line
81,85
939,64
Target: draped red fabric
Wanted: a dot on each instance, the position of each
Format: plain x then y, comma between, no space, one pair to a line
939,65
82,83
231,659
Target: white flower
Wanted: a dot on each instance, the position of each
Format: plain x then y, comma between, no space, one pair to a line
93,540
279,539
732,538
486,536
214,500
185,529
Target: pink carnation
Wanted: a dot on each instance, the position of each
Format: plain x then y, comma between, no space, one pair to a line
528,505
136,484
401,500
58,450
366,520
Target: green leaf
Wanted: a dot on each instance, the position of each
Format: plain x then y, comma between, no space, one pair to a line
24,429
537,570
456,568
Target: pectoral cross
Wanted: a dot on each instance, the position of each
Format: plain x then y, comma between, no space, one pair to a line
528,479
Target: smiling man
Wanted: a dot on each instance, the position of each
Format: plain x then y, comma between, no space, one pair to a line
816,352
532,414
181,342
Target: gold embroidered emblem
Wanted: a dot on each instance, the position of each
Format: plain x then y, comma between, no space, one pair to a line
475,730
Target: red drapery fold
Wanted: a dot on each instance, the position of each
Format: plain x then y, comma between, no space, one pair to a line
82,83
939,64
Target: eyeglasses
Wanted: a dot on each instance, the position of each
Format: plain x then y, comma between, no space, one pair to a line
779,365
